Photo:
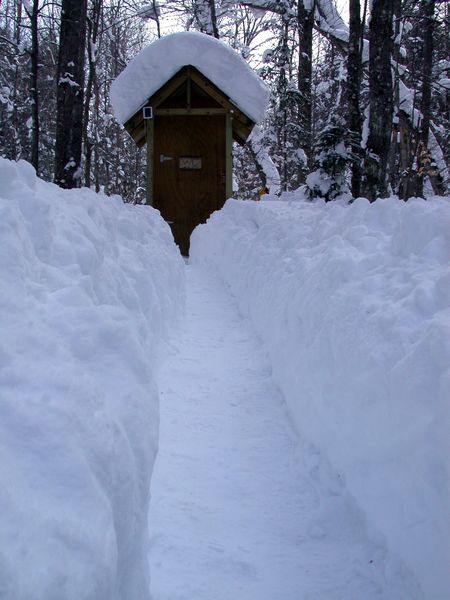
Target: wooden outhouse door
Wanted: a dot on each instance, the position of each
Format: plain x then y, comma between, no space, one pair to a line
189,171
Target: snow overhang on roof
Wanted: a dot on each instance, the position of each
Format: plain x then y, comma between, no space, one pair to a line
157,63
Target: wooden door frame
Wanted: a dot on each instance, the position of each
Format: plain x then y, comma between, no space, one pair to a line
188,196
150,128
149,131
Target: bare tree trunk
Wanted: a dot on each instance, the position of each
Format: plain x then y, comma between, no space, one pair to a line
407,151
34,85
282,112
93,23
423,156
212,8
205,17
380,99
70,88
156,18
354,119
305,31
16,145
394,155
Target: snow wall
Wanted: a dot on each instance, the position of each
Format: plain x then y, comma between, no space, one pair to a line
88,288
353,304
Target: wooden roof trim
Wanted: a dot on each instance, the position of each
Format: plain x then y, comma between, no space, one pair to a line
136,129
240,131
242,125
169,88
201,112
135,124
212,90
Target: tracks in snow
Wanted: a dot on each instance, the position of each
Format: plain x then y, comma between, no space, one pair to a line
241,509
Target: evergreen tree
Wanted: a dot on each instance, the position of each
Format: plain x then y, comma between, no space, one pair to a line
328,180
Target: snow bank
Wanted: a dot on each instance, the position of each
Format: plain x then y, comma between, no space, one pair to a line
88,287
160,61
353,303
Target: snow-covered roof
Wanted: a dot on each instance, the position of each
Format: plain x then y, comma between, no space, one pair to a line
158,62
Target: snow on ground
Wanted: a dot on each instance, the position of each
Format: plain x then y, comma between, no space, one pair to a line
88,289
353,304
158,62
241,507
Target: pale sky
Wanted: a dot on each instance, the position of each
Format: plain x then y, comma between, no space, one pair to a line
342,6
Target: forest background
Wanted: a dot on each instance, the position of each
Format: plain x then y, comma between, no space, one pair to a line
359,106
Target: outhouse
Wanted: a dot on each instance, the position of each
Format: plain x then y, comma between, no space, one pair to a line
188,96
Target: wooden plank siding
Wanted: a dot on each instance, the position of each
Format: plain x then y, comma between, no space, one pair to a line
189,149
186,197
150,135
241,124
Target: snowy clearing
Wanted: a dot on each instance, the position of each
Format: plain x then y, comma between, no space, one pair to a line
88,290
353,304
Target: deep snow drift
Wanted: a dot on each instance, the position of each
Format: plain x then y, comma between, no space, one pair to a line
353,303
88,288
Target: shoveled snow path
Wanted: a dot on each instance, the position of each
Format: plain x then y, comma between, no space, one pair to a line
241,509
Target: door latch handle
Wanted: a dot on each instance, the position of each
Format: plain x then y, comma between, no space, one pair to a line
163,158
